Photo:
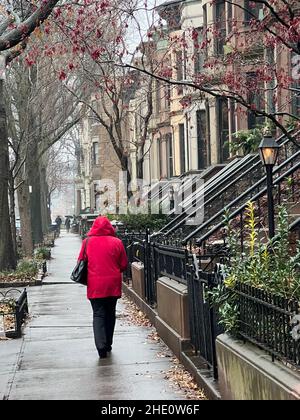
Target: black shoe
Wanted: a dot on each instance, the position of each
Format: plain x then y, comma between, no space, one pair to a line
108,349
103,354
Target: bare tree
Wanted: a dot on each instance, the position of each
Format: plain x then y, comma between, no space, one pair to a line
39,116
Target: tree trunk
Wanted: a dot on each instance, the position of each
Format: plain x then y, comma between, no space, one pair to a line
125,169
12,212
25,219
44,201
35,203
140,167
7,254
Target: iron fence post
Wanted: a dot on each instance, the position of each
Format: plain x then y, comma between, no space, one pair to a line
213,331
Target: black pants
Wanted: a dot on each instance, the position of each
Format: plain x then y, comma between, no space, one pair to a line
104,321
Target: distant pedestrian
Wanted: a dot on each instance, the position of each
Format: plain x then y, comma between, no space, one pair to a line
106,261
68,224
58,222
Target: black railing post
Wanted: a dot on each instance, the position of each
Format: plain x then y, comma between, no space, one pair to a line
212,317
148,266
269,170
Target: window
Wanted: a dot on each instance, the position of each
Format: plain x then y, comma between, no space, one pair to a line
92,116
295,90
182,148
223,128
160,155
271,85
232,106
170,156
95,153
201,139
256,100
158,96
179,70
167,96
229,17
198,52
205,29
296,99
253,10
220,26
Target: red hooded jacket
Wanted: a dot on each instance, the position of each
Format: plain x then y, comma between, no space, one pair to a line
107,259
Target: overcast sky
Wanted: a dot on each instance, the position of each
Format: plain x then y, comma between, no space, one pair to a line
144,18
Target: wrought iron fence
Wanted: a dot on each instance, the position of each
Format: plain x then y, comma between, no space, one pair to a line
269,321
204,325
171,262
134,243
13,312
151,274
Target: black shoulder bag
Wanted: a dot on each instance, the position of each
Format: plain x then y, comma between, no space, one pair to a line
80,272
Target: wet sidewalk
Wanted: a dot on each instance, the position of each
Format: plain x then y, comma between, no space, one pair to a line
57,359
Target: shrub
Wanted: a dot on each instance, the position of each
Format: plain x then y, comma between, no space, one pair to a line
247,141
140,222
27,268
42,253
270,267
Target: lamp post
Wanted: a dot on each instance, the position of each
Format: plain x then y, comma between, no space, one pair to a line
269,151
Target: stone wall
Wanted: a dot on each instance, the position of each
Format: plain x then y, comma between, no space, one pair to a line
248,373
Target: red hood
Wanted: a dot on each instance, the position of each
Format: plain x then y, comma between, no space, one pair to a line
102,227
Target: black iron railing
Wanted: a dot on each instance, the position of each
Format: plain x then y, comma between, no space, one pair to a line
204,325
171,262
212,234
225,187
270,322
134,243
15,313
151,273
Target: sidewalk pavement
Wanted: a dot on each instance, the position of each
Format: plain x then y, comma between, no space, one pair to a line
56,359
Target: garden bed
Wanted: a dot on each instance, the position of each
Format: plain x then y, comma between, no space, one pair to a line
28,273
17,280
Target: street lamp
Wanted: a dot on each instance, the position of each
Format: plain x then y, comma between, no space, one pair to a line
269,151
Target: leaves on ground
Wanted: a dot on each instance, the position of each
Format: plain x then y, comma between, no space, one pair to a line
16,278
180,379
154,336
134,315
7,317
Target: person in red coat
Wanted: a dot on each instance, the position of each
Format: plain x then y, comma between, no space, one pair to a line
107,260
